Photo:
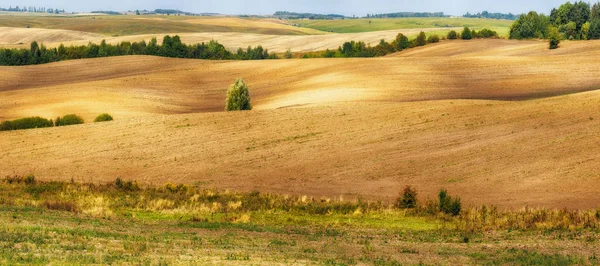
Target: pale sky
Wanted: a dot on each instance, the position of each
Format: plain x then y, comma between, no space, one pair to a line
262,7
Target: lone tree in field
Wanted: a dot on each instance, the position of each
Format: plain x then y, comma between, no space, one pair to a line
554,37
238,97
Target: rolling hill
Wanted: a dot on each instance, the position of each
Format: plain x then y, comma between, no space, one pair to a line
497,122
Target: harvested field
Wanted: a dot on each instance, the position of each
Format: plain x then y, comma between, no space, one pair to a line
506,130
135,25
231,40
24,36
503,48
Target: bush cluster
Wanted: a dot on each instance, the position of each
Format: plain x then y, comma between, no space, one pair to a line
126,185
103,118
452,35
486,33
26,123
433,39
468,34
38,122
448,204
68,120
28,180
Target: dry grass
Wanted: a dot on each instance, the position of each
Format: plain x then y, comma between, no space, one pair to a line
74,223
368,127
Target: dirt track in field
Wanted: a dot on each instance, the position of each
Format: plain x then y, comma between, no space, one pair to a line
512,126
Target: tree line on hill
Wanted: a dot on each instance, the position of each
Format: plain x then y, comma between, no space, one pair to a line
173,47
155,12
488,15
33,9
170,47
408,15
361,49
107,12
173,12
294,15
312,16
572,21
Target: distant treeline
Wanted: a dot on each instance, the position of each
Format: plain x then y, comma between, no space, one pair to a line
33,9
293,15
408,15
107,12
485,14
168,11
172,12
156,11
171,47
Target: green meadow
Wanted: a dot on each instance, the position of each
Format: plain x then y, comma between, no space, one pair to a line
69,223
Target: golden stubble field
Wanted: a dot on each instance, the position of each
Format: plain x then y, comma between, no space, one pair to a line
21,38
496,122
233,32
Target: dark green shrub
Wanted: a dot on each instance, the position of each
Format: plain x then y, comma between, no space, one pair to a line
103,118
17,179
421,39
455,206
288,54
401,42
433,39
448,204
452,35
26,123
238,97
30,180
126,185
486,33
329,54
68,120
408,198
119,182
466,34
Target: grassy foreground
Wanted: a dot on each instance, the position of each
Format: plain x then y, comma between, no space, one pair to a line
123,223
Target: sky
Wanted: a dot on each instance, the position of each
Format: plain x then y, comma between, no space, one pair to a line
264,7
